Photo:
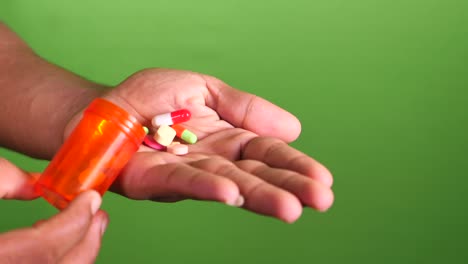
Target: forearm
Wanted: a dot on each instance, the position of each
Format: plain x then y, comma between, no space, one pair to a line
37,98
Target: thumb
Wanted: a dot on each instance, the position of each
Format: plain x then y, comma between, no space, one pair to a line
50,240
251,112
16,183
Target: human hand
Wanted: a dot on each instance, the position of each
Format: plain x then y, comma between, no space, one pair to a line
72,236
241,155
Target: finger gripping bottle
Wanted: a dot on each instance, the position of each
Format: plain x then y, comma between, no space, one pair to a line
95,153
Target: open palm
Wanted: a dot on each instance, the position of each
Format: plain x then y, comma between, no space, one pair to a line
241,158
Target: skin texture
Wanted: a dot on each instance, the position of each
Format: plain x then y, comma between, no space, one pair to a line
241,158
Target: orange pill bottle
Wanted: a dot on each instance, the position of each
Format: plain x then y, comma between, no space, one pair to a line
93,156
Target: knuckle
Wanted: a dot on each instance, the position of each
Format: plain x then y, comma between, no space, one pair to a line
214,164
210,160
161,74
145,72
243,163
214,81
225,169
262,146
210,78
143,77
249,164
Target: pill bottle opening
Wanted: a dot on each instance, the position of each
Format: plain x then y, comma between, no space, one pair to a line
111,112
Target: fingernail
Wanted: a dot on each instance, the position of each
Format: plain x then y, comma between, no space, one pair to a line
238,202
95,203
103,226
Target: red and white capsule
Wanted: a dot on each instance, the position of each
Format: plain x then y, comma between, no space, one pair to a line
171,118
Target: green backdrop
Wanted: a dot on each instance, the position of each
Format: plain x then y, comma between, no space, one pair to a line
381,88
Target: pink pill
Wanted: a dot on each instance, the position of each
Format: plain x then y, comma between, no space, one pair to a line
150,142
177,149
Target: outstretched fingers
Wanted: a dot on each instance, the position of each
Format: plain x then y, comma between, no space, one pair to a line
278,154
259,195
309,191
146,177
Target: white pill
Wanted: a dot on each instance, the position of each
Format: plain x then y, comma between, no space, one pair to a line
164,119
177,149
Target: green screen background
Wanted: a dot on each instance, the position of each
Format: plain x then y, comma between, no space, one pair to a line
381,88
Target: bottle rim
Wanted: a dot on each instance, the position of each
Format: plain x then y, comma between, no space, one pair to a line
125,121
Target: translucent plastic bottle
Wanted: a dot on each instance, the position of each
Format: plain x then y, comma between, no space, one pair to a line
94,154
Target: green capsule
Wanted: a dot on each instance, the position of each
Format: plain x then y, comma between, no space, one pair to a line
185,134
189,137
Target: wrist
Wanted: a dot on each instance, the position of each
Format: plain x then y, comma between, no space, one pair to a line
75,110
86,100
37,98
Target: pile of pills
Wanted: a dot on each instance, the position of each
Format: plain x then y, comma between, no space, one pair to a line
167,128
